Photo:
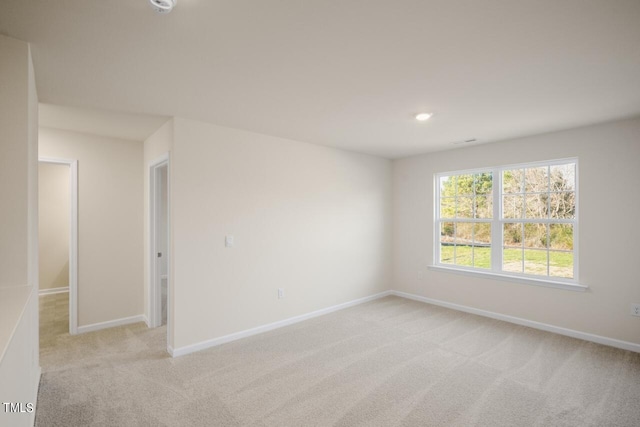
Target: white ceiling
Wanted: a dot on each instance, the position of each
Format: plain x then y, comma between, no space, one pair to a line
136,127
349,74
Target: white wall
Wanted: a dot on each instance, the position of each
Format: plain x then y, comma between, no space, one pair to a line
32,186
14,86
19,364
313,220
110,223
609,240
53,204
19,361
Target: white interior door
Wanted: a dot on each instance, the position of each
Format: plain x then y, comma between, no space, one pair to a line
162,237
159,253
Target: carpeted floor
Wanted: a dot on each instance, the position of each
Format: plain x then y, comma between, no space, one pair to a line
391,362
54,319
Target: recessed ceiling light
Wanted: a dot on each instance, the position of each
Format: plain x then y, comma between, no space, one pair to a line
423,116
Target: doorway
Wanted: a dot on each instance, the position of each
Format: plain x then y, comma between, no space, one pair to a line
58,243
159,244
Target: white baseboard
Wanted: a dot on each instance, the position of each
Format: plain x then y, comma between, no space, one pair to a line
52,291
625,345
111,323
181,351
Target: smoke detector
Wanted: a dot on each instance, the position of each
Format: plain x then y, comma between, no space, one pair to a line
163,6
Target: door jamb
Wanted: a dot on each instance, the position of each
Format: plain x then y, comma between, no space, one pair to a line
154,288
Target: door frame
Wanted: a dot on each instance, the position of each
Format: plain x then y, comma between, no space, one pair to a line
73,237
155,280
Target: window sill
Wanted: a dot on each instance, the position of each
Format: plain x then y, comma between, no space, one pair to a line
514,279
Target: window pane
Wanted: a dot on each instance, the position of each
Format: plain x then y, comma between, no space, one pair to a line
561,264
465,185
536,180
464,233
535,262
484,207
482,256
512,235
512,206
563,205
563,177
482,233
483,183
464,255
482,245
561,236
447,232
447,186
536,206
535,236
512,260
446,253
512,181
465,207
447,207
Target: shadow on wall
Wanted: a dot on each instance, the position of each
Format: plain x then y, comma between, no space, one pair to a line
61,280
53,224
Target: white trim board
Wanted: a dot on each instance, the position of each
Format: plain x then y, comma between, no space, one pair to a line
625,345
53,291
181,351
112,323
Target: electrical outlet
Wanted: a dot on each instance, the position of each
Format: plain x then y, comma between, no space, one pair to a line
280,293
635,309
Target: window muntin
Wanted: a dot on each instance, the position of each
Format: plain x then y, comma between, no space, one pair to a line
527,227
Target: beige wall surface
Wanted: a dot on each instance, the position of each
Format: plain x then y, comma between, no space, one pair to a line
110,205
609,242
53,225
19,363
155,146
32,171
313,220
14,170
19,358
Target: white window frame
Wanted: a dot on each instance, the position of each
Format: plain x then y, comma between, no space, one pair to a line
497,222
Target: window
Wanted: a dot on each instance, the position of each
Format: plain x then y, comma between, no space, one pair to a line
517,220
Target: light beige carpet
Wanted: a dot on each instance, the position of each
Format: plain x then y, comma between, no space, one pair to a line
391,362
